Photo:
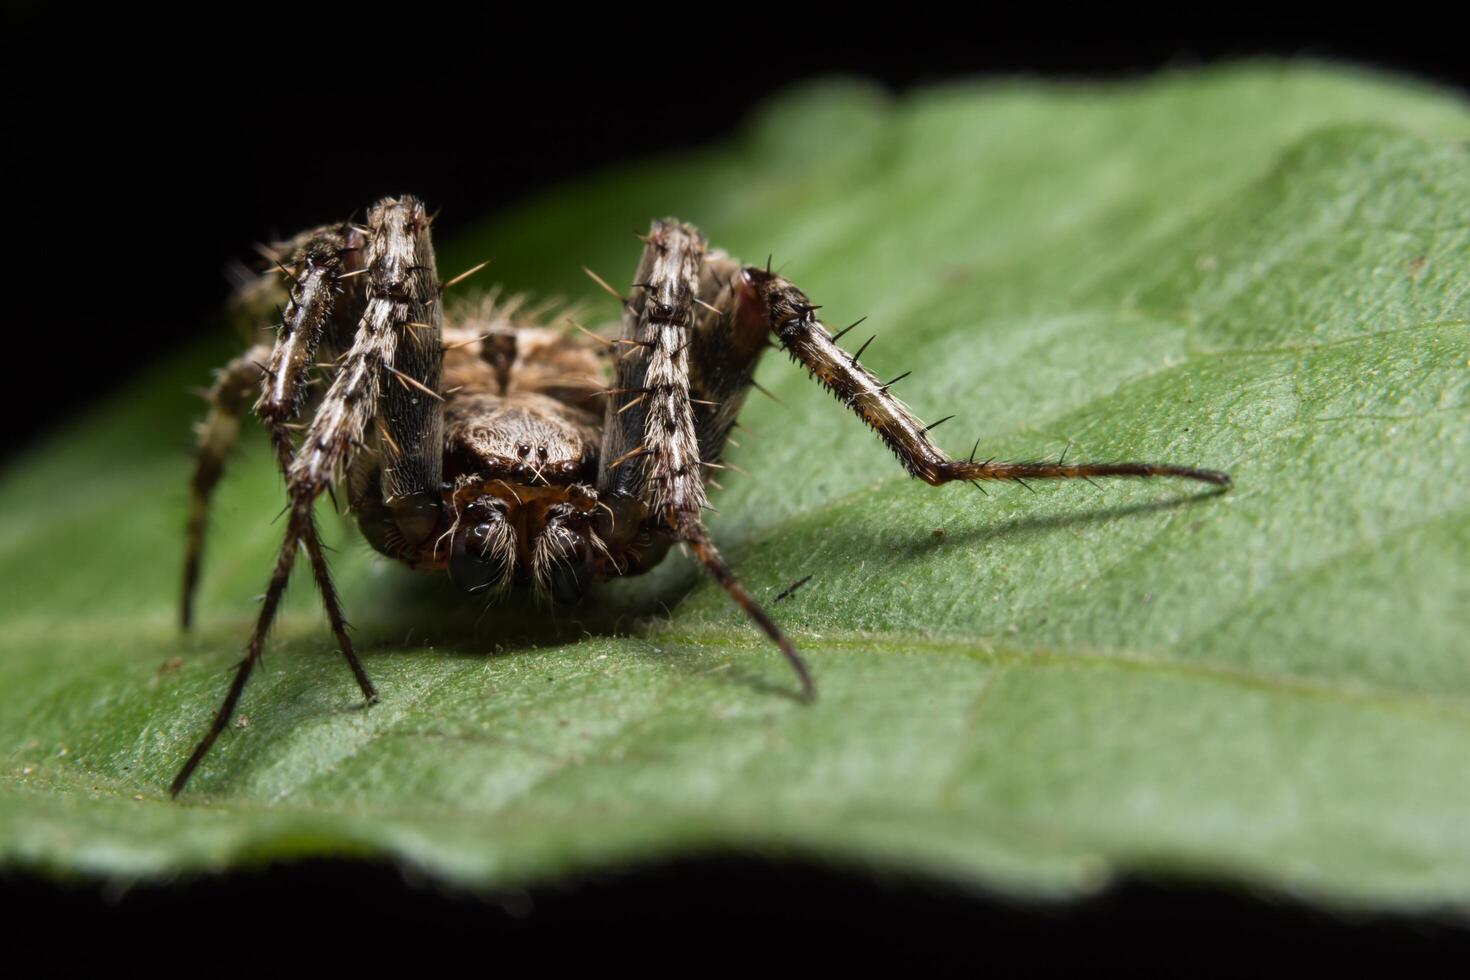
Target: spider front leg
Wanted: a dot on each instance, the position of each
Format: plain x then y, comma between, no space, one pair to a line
652,475
397,342
321,301
760,302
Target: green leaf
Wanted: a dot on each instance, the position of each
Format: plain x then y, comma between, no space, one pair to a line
1264,269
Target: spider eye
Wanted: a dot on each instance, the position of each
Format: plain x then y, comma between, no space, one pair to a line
482,554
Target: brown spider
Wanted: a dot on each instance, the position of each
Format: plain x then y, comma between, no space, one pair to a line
493,448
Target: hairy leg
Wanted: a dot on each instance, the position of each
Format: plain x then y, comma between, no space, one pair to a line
734,315
324,302
217,434
651,473
321,301
277,587
401,286
405,305
765,302
390,376
295,290
651,420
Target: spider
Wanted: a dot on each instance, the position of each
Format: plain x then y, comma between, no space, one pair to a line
483,442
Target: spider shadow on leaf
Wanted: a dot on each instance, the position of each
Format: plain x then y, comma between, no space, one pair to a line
1019,528
427,609
414,608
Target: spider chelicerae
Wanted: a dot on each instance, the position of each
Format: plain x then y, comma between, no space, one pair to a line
481,441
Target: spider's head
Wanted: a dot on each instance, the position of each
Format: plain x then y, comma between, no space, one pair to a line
521,439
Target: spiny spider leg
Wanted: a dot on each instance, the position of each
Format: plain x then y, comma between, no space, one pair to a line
321,302
790,317
323,299
651,473
403,299
392,374
217,434
284,559
714,563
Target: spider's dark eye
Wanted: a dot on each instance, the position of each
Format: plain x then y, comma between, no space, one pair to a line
483,550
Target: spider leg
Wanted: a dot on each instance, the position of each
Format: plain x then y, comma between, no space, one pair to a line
402,298
651,474
217,435
324,297
321,300
392,374
654,366
297,301
277,587
762,301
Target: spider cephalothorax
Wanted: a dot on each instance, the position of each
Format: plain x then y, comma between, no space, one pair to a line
489,440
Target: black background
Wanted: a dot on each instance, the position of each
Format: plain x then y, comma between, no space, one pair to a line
138,172
138,178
